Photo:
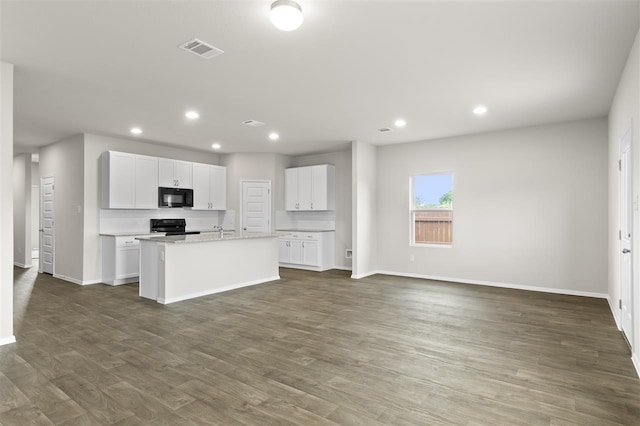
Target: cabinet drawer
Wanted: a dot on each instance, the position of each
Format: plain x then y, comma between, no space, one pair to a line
303,236
127,242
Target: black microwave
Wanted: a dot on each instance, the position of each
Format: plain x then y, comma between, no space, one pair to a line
175,197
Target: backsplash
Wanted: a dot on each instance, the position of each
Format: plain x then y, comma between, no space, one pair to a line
113,221
325,220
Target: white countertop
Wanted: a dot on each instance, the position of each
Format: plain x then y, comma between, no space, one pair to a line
207,237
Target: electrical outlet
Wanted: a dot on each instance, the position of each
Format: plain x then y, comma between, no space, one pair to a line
79,209
348,254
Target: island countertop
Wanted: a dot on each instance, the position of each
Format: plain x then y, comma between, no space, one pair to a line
207,237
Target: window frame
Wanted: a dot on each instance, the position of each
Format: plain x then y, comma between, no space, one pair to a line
412,211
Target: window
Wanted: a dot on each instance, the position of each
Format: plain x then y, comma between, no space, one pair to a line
432,209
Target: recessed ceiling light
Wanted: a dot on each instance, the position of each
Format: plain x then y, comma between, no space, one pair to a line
192,115
274,136
480,110
216,146
400,122
136,130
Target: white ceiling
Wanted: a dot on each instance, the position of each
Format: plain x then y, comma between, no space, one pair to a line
351,68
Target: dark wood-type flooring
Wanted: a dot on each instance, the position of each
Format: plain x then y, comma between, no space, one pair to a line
314,349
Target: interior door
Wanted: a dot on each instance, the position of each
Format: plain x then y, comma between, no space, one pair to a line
626,235
47,230
256,206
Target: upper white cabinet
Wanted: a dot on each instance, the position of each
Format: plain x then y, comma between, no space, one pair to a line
129,181
309,188
175,173
209,187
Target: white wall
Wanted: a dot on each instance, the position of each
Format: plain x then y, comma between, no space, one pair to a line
625,111
94,146
365,209
6,212
22,210
530,208
343,208
246,166
65,161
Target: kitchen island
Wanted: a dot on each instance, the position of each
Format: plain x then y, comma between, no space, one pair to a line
181,267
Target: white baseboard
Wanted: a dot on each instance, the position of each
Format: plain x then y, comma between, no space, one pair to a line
366,274
216,290
7,340
76,281
502,285
636,362
615,312
22,265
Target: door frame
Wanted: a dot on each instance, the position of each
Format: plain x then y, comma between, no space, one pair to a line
41,229
628,334
270,202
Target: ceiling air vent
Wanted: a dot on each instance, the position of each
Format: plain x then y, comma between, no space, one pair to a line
200,48
384,129
253,123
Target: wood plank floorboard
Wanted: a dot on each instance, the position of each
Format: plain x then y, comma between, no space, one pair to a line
314,349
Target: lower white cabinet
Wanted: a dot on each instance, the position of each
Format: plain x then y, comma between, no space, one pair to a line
120,259
307,250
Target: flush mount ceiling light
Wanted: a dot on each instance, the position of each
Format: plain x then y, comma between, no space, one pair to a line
286,15
274,136
192,115
136,130
480,110
400,122
216,146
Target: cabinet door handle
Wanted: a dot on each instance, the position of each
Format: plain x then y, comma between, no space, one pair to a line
303,244
311,206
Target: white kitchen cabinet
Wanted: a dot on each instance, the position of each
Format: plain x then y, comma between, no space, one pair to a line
120,259
307,250
146,182
310,188
175,173
209,187
129,181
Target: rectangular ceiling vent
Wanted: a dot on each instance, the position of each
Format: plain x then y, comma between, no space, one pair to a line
200,48
384,129
253,123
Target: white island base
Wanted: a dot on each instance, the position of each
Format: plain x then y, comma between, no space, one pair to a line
183,267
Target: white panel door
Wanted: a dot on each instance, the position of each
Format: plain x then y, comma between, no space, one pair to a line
47,230
626,235
218,191
201,187
304,188
256,206
296,252
166,175
284,251
184,174
146,182
310,253
291,189
319,187
122,193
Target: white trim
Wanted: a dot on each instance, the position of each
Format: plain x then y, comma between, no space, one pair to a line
217,290
7,340
615,312
502,285
636,363
22,265
366,274
76,281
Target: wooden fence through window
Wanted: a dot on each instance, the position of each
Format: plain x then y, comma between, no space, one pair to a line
433,226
